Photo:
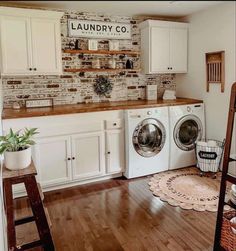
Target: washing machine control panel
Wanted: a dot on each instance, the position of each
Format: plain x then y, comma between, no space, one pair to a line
189,109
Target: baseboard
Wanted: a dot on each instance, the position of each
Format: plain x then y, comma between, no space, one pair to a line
19,194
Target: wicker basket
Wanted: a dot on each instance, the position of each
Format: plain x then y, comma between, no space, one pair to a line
209,157
228,238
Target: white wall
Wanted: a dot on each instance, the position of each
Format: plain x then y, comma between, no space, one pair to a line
211,30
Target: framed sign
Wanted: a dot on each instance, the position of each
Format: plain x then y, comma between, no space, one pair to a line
33,103
97,29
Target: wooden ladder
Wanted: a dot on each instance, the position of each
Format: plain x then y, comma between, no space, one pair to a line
225,176
27,177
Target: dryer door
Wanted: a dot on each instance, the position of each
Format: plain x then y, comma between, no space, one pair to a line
187,131
149,137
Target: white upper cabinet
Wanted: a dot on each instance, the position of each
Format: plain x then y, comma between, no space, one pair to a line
159,49
15,44
164,47
46,45
30,41
178,49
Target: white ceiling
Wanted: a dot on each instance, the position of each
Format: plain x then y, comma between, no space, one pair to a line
161,8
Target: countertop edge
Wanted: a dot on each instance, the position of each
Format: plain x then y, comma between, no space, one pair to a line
29,113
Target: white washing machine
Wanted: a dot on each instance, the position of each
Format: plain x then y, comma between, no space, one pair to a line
147,141
187,125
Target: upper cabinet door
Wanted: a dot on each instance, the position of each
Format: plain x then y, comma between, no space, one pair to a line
159,49
178,50
46,44
15,45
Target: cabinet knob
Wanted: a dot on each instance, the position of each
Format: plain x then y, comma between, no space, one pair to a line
171,68
35,69
30,69
68,158
108,152
73,158
114,124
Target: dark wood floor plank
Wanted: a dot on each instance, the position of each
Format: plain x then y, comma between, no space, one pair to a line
120,215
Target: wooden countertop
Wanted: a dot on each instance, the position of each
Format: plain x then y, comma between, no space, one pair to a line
9,113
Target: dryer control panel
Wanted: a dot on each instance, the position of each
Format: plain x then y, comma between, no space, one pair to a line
147,112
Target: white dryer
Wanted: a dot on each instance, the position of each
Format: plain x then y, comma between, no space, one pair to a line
187,125
147,141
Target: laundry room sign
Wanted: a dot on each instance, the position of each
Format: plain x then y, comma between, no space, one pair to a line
97,29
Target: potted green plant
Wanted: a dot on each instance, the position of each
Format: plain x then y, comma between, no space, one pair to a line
16,147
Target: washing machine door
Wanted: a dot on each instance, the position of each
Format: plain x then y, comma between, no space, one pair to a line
187,131
149,137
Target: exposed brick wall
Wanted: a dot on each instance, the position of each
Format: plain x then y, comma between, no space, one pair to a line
71,88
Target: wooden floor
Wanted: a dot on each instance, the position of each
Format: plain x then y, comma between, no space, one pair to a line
118,215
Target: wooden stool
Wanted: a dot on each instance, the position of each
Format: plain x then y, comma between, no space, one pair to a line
26,176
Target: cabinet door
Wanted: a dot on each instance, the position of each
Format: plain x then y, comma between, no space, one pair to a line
115,151
159,53
46,44
178,49
15,45
52,160
88,155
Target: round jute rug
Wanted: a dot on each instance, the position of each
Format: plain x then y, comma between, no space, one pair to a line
187,189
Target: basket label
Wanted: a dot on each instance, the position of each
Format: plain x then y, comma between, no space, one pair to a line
207,155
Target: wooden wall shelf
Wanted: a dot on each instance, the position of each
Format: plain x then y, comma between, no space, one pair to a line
101,52
99,70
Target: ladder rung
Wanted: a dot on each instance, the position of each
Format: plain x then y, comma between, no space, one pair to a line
232,157
24,220
30,245
231,204
231,179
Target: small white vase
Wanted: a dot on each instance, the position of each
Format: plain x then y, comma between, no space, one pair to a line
17,160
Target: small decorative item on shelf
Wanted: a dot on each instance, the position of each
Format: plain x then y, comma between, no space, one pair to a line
16,147
151,92
71,45
96,63
111,63
103,86
16,105
77,45
113,45
92,45
129,64
45,102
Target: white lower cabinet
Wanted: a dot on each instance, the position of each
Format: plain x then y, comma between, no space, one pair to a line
87,155
115,155
75,149
52,157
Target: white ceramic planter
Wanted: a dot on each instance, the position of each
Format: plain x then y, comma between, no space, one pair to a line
18,160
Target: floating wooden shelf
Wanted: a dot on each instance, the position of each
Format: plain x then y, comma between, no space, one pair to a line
102,52
99,70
